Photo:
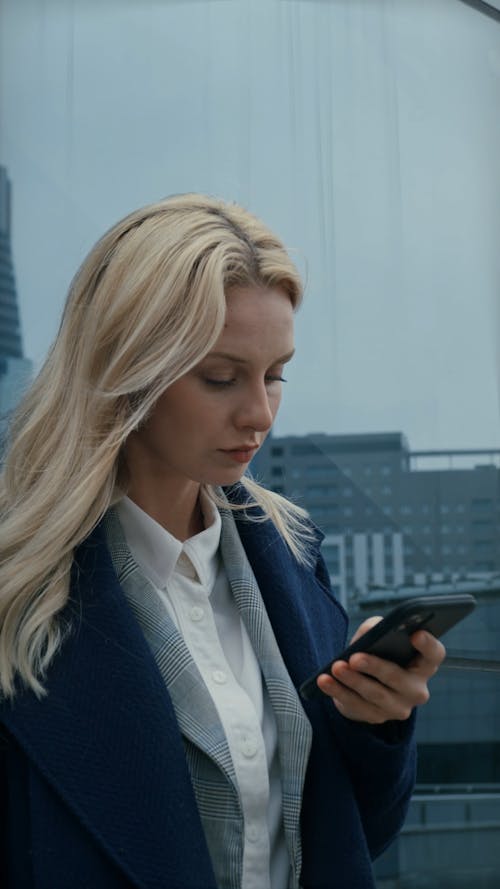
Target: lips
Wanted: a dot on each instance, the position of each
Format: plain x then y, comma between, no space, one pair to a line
243,447
241,453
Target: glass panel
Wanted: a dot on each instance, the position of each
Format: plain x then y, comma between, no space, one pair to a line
368,135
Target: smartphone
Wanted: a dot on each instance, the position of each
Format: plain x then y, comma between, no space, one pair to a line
390,638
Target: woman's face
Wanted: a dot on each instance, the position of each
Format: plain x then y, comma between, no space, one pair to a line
207,426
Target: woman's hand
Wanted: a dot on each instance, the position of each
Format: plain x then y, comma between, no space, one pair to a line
371,689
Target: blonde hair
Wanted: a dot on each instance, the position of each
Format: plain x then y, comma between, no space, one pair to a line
146,305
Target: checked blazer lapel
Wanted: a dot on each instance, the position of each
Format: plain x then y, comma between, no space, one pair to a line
294,730
196,714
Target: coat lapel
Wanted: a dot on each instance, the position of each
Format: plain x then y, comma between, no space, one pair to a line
306,618
106,737
195,711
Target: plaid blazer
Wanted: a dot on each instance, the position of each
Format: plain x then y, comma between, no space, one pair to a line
207,751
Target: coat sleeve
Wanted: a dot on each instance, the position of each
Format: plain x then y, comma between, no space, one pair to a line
15,851
382,769
3,809
381,763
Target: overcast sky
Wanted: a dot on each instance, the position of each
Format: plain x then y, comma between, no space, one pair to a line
366,132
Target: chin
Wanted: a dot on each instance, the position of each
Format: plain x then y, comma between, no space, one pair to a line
228,477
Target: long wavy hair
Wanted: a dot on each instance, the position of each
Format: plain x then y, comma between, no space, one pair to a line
145,307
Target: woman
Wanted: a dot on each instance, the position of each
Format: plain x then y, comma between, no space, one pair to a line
159,608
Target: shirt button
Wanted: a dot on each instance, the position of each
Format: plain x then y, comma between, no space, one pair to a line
252,834
219,677
196,613
249,748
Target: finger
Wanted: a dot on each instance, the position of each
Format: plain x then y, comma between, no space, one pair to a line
383,671
349,703
431,653
395,700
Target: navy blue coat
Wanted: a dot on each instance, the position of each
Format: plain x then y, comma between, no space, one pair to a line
95,790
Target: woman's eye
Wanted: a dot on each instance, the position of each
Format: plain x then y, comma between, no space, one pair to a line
230,381
275,379
220,383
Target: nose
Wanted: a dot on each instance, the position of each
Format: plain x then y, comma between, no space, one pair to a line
256,411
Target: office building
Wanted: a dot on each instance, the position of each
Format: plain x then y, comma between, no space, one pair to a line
14,367
400,523
394,530
391,518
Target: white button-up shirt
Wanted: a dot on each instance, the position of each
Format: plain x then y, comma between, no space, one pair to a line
191,582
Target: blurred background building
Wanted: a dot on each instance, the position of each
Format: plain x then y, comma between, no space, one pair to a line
392,517
15,369
400,523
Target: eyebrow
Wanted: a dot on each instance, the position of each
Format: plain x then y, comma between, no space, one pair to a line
238,360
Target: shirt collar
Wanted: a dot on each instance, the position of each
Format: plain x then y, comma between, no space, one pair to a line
160,554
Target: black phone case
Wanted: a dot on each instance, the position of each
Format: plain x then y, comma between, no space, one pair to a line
390,638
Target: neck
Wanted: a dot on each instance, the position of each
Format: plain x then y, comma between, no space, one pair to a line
179,512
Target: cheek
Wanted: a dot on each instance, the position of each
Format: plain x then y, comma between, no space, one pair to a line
274,403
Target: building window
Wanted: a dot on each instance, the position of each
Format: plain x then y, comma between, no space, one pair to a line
321,490
276,451
322,470
332,509
330,529
444,509
276,470
482,504
483,546
482,524
386,490
385,469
